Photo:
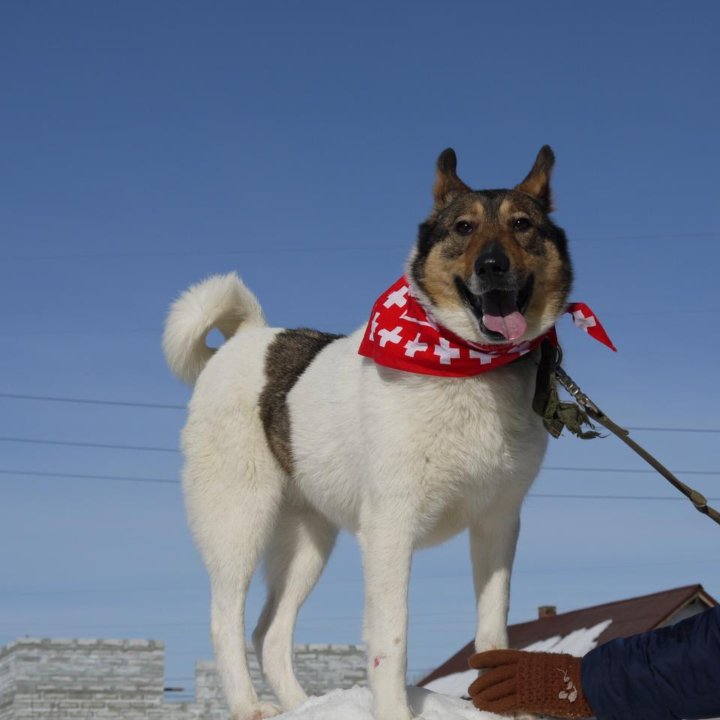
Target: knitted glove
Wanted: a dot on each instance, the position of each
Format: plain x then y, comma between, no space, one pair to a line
516,681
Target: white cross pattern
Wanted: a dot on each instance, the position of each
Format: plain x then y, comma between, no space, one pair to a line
521,349
397,298
373,326
446,352
583,322
484,358
390,336
426,323
413,346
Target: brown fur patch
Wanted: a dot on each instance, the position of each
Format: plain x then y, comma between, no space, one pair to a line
453,255
287,358
438,280
540,256
552,284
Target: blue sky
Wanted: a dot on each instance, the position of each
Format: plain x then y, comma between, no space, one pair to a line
146,145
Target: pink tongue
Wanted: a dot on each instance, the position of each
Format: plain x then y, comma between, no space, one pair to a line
512,326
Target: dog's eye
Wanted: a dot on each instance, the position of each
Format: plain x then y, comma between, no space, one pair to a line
521,224
463,227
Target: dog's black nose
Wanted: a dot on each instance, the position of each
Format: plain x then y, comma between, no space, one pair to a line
493,261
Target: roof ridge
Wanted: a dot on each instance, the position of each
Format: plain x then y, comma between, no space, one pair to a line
563,624
697,587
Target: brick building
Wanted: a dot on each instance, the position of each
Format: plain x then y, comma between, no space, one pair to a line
59,679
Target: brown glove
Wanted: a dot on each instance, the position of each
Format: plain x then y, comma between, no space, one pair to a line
534,682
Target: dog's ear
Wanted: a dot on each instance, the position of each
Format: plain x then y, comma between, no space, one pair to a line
447,183
537,183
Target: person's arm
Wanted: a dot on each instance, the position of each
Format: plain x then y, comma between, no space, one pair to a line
670,673
664,674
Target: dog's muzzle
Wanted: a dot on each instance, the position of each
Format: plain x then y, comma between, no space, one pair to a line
498,301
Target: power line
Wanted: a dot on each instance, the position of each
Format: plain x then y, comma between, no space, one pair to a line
158,331
646,236
416,577
165,449
88,401
170,481
274,250
631,471
129,331
205,253
567,496
77,476
672,429
167,406
105,446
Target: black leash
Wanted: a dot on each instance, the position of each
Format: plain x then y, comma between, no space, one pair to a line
557,415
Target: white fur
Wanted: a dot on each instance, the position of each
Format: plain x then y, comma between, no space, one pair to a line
221,301
401,460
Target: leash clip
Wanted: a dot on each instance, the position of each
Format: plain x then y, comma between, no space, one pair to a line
574,389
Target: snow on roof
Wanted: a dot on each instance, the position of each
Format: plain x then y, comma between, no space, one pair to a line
578,643
356,704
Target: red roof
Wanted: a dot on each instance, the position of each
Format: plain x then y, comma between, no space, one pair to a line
629,617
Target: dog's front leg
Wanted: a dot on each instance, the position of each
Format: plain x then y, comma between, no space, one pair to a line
492,547
387,551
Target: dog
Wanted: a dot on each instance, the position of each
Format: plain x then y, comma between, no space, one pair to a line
292,434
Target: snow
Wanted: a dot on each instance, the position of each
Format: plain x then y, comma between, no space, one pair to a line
456,684
356,704
441,699
578,643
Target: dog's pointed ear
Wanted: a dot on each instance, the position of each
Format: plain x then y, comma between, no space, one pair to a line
447,183
537,183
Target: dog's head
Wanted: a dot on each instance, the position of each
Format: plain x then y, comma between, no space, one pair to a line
491,265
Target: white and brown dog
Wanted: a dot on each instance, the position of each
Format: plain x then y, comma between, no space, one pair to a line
293,434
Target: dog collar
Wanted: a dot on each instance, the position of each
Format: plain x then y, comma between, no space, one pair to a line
402,335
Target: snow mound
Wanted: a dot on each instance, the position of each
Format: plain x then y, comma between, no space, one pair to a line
356,704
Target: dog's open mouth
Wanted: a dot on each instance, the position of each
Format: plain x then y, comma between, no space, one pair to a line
499,312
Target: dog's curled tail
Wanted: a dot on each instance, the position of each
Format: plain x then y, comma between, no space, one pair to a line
220,301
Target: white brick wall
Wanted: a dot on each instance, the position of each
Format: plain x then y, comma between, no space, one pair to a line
71,679
58,678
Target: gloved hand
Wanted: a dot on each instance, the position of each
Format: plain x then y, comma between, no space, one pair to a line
518,681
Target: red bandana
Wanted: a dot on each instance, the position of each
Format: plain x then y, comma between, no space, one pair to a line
403,336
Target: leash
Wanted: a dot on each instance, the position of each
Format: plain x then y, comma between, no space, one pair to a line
556,415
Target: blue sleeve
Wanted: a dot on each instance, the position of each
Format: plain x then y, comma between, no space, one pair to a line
667,674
